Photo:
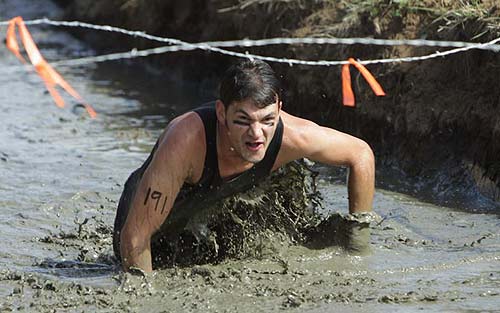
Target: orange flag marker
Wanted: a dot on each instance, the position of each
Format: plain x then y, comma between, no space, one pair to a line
347,93
50,77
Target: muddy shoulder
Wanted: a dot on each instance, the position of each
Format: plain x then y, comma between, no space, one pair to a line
438,115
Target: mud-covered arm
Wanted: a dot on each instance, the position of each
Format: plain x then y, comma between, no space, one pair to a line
156,193
304,138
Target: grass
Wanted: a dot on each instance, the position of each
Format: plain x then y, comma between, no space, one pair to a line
466,12
478,18
449,15
243,4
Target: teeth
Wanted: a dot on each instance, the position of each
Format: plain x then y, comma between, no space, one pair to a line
253,145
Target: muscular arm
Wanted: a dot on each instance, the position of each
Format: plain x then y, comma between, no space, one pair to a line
171,166
303,138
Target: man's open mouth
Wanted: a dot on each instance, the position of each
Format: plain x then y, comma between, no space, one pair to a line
254,146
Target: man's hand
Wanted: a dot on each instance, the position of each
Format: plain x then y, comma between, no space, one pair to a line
356,237
351,232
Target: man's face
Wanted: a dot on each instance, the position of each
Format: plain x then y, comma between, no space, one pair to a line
250,129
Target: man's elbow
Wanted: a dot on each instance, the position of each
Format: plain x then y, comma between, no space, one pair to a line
363,158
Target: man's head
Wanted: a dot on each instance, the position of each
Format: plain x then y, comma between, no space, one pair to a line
249,108
250,80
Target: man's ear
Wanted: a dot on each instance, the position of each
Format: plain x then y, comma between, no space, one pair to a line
280,104
220,111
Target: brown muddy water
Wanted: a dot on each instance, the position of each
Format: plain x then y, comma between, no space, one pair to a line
62,174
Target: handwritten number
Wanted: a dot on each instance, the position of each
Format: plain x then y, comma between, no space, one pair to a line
147,196
163,208
155,195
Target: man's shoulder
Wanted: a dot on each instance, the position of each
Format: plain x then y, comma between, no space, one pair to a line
296,128
297,140
182,145
184,131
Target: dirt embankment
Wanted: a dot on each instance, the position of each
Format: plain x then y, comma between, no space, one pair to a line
439,113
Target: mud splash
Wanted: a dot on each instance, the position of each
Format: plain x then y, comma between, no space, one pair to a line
274,214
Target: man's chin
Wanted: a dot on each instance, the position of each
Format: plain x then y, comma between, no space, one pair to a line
253,158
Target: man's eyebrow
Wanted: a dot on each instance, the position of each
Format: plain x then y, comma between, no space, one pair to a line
270,115
243,112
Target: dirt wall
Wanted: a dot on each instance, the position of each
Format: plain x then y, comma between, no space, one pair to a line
438,114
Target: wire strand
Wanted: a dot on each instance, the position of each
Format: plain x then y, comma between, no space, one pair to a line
215,46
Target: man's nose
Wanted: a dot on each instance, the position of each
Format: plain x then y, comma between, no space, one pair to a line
255,130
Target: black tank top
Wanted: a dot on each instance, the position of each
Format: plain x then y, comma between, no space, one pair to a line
211,186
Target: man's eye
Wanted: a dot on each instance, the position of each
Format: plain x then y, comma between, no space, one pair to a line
269,122
241,123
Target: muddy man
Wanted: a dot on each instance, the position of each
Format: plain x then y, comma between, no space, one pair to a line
225,147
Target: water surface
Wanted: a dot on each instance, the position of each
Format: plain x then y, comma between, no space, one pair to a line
62,174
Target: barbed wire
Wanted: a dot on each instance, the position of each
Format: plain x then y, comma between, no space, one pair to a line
215,46
266,42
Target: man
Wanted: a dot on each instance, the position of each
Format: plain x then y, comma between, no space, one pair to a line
227,147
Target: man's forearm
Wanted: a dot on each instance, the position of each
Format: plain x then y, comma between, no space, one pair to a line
361,184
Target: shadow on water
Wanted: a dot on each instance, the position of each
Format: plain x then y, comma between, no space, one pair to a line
446,186
75,269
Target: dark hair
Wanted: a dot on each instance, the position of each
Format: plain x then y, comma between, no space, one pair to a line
250,79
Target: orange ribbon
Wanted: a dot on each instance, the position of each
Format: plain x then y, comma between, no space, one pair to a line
50,77
347,93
